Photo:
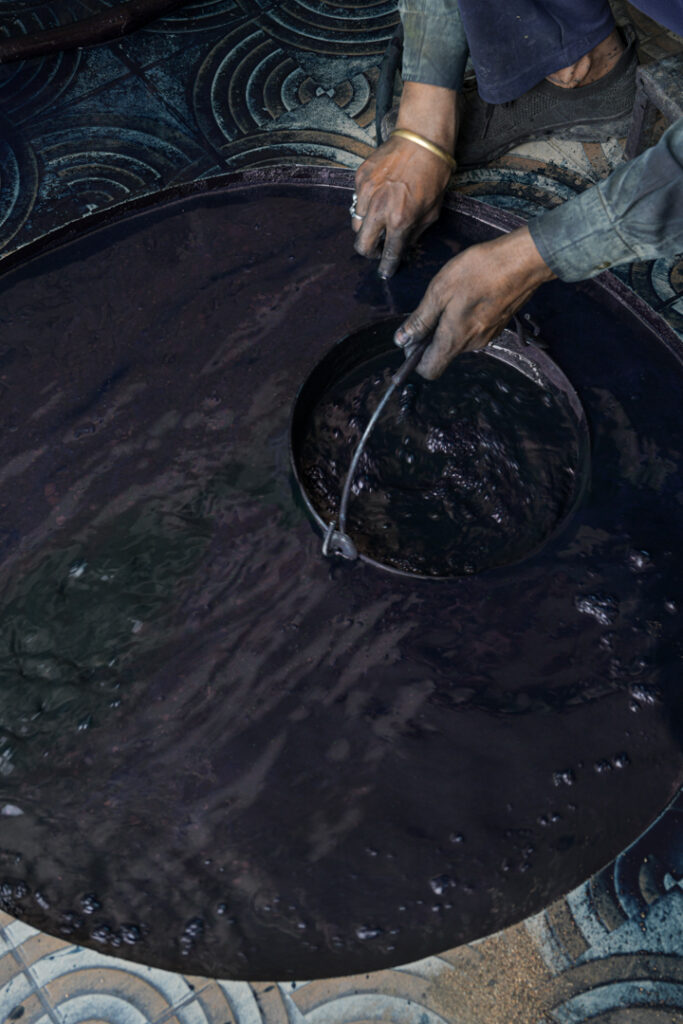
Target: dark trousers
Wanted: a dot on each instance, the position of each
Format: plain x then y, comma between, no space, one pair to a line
516,43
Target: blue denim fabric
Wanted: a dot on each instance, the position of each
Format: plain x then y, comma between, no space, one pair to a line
513,45
634,214
434,43
665,12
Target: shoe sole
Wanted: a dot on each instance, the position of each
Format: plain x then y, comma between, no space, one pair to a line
587,131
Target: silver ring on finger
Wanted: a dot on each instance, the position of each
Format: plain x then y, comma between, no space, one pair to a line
352,207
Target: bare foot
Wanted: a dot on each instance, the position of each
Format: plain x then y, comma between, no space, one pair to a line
593,65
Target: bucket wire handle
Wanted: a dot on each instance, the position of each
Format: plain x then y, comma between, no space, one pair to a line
337,540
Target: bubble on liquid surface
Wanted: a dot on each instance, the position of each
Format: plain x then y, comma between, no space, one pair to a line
90,903
602,607
11,811
645,693
193,931
639,561
564,777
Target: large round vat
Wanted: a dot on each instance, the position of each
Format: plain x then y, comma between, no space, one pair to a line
223,754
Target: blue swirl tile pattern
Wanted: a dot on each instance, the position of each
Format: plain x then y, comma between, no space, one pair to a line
347,29
18,182
225,84
611,952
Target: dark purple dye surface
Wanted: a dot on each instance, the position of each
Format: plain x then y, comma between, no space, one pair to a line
220,753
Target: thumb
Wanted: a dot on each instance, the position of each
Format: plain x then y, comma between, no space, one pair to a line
419,324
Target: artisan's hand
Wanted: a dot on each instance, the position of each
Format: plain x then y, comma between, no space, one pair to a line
400,187
472,298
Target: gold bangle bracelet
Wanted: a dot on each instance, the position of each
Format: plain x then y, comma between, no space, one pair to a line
403,133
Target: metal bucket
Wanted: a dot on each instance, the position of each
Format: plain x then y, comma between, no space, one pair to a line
511,347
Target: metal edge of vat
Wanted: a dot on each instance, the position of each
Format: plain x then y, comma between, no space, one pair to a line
606,284
374,339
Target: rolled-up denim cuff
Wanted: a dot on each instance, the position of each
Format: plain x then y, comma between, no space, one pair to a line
578,240
434,47
634,214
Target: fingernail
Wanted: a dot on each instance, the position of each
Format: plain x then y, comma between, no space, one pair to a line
401,337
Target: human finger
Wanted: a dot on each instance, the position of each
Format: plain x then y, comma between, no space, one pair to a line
443,348
421,322
394,244
372,228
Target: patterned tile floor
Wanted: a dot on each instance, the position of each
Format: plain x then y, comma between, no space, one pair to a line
227,84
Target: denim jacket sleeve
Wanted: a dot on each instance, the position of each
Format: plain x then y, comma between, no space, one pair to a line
634,214
434,44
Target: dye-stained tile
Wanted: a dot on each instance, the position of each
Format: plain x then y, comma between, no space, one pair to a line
18,996
348,28
404,995
19,181
634,972
354,94
323,113
239,84
248,83
333,73
20,19
196,983
111,146
557,151
71,979
230,1002
522,189
666,283
31,89
17,1002
10,965
202,22
30,945
201,170
563,966
295,147
659,283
